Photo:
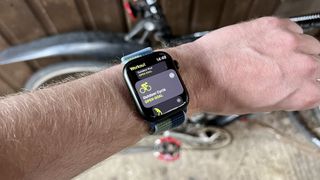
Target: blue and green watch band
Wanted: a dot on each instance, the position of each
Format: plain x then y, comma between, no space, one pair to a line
173,121
170,123
135,55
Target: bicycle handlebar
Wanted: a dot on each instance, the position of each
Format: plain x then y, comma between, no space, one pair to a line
309,21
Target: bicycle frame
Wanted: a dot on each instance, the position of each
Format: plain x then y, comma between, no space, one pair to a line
94,44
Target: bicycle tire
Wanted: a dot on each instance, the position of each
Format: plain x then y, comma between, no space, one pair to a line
142,91
50,72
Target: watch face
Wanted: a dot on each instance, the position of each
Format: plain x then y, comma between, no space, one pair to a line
155,85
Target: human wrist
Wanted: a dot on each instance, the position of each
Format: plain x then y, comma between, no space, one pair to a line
124,97
190,73
195,74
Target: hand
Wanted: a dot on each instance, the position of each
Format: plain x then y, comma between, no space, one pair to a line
263,65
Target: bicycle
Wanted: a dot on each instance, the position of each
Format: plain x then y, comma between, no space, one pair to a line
205,130
145,87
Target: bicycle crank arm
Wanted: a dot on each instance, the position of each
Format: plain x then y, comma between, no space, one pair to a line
203,137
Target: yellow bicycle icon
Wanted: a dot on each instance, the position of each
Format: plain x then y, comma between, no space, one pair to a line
158,111
144,87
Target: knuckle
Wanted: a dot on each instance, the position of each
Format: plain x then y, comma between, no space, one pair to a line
312,67
290,39
306,60
309,102
309,64
272,21
304,103
310,98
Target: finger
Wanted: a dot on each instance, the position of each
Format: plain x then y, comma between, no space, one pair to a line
308,44
292,26
305,98
316,78
316,58
314,70
311,96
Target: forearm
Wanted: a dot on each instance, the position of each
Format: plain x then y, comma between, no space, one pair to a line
58,132
72,125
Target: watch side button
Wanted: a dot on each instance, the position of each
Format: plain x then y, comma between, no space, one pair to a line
176,64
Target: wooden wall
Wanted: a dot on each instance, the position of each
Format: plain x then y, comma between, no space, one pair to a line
26,20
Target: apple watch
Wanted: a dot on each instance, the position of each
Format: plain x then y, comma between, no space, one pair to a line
157,88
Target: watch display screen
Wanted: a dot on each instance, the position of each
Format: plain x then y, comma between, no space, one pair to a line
155,84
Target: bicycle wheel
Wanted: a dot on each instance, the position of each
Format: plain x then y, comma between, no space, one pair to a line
64,70
142,91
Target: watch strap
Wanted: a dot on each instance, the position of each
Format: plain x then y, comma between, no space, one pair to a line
170,123
166,124
135,55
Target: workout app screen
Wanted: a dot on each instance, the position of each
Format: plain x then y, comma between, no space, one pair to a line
159,88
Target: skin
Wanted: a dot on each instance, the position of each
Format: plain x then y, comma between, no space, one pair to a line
58,132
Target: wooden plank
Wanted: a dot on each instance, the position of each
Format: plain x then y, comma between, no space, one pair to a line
3,43
261,8
235,11
86,14
206,14
42,15
178,13
297,7
5,88
14,75
57,15
17,22
105,15
130,23
52,15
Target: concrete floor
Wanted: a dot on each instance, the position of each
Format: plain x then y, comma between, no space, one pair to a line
269,148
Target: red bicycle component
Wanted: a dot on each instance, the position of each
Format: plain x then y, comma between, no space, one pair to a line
167,149
244,120
129,9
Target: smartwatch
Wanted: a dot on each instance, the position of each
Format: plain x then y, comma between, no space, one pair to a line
157,88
